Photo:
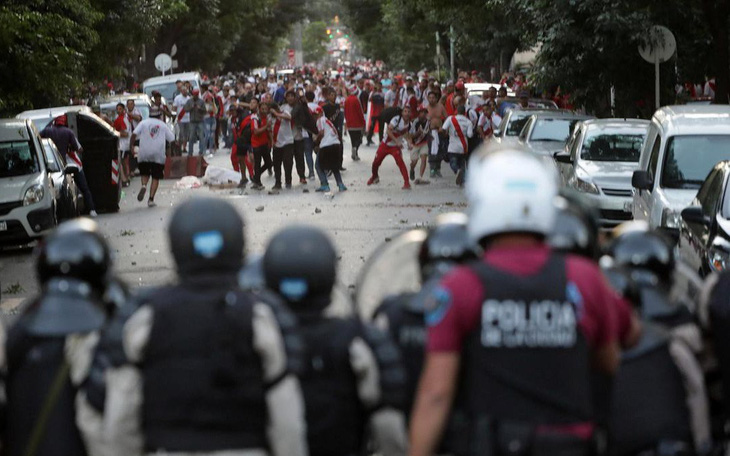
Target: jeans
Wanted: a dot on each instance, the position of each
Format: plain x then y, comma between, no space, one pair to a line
197,132
457,162
283,155
323,176
259,153
299,158
308,154
210,125
80,179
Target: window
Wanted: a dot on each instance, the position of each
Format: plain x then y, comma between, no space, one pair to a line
52,162
557,130
612,147
654,157
17,159
516,123
710,192
690,158
526,129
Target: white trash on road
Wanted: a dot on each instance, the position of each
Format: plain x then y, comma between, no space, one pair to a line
215,175
188,182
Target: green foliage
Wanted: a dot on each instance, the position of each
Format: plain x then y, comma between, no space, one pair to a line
314,41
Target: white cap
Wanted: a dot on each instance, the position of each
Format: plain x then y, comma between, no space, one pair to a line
510,191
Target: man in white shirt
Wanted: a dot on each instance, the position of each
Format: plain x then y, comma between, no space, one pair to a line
489,121
283,137
398,131
459,128
390,97
153,135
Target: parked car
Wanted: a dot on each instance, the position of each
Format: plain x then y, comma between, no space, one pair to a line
599,160
682,146
475,90
547,132
141,102
166,84
28,201
69,200
512,123
534,103
42,117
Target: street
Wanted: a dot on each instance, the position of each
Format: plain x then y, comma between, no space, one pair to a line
359,220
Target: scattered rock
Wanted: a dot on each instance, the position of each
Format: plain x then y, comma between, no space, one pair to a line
260,209
388,239
404,221
306,190
134,263
317,210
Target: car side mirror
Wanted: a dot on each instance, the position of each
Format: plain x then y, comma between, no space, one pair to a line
562,157
695,214
642,180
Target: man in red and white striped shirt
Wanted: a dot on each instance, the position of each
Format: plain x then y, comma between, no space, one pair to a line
398,130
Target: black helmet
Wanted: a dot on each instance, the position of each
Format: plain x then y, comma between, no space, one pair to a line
646,250
75,250
206,235
446,243
300,264
574,230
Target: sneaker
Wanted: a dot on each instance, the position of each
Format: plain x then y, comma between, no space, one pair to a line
140,195
342,187
303,181
92,214
438,174
151,203
257,187
373,180
355,157
343,169
311,176
276,187
323,189
460,177
243,183
413,174
406,187
433,173
288,186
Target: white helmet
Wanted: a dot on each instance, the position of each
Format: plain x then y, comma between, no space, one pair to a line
510,191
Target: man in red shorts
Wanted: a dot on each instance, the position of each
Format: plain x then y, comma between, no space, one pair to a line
399,129
520,331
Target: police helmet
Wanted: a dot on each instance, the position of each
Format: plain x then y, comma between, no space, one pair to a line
447,243
206,235
75,250
300,264
644,250
574,230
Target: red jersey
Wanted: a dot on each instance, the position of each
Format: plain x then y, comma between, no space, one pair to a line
261,139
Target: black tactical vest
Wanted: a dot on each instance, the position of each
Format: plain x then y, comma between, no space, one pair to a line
33,363
335,416
649,400
203,382
527,361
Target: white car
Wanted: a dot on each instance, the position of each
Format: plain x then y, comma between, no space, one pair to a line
166,84
682,146
42,117
27,196
512,123
599,160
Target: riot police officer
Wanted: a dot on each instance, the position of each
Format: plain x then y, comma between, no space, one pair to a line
660,401
445,246
352,375
520,329
47,347
212,365
575,230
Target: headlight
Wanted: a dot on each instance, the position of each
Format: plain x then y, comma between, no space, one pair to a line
33,195
718,259
585,186
670,218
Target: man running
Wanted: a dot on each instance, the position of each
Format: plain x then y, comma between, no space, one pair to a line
152,133
420,132
459,128
398,129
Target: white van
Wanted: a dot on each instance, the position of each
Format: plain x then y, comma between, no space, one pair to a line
682,146
166,84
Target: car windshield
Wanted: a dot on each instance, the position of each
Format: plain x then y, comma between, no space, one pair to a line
17,159
612,147
689,159
516,122
557,130
166,90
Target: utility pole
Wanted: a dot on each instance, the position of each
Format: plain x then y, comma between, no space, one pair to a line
438,55
451,37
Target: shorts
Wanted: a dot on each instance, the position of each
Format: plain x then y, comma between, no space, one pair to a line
183,131
155,170
419,151
243,149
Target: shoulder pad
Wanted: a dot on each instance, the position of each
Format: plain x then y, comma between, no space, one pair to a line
293,343
392,372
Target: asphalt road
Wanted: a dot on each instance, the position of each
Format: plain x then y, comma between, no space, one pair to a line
358,220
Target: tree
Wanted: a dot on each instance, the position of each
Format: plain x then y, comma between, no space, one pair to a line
313,42
716,14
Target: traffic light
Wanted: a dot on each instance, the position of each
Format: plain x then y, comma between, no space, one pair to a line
331,36
347,36
329,32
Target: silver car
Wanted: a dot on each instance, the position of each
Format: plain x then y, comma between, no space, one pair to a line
599,160
547,132
511,126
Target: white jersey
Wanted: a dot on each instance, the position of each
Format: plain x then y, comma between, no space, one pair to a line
283,132
389,98
487,124
459,129
330,136
152,134
179,104
399,128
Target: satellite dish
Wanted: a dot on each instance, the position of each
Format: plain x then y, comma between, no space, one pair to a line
659,45
163,62
173,51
